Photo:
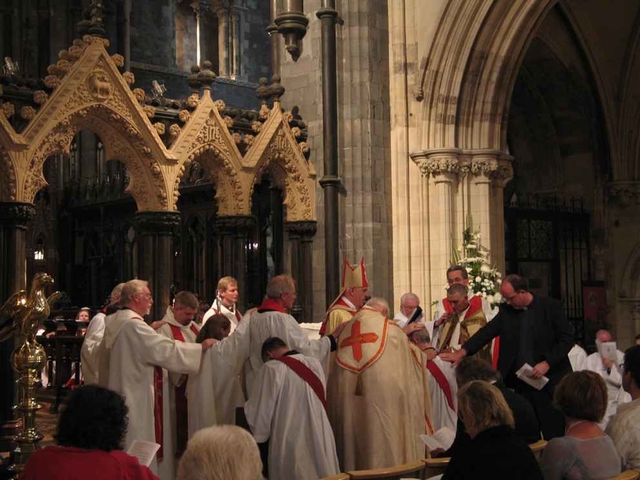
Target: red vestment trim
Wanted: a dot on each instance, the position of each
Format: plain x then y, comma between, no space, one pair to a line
268,304
475,304
157,408
306,374
439,377
182,412
341,303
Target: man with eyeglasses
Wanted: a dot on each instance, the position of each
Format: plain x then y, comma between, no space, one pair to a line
533,331
132,356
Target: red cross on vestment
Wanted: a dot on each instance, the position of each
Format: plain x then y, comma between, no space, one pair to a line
356,340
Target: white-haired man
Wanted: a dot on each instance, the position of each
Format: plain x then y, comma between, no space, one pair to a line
92,338
410,310
129,353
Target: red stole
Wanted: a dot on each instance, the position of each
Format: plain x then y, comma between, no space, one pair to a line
157,408
341,303
439,377
474,305
306,374
182,414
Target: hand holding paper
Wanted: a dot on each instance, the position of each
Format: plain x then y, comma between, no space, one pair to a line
144,451
526,375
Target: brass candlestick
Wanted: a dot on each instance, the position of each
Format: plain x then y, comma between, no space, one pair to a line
20,315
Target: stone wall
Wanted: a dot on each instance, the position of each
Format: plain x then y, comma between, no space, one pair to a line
363,144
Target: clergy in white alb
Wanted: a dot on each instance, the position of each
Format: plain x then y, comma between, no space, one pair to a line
129,353
610,371
177,325
89,359
378,394
225,302
410,310
286,407
443,387
268,320
215,392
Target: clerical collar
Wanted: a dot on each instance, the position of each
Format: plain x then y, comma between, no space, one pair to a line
291,352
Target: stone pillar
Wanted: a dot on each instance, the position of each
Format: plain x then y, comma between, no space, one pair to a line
14,218
235,50
301,235
490,171
234,235
155,232
223,42
442,167
635,320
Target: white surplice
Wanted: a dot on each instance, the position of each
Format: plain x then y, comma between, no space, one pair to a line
234,315
170,380
128,354
578,358
615,393
443,414
284,409
89,359
215,391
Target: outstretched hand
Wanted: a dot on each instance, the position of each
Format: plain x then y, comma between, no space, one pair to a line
454,357
412,327
208,343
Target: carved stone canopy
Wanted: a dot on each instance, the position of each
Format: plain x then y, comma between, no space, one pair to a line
86,91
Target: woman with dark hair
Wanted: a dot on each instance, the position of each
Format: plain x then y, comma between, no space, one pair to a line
585,452
90,435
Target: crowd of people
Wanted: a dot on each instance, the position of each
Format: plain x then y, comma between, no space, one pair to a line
252,396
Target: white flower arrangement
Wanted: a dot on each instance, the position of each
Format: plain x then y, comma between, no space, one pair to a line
484,280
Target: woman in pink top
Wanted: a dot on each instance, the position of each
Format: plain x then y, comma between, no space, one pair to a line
91,430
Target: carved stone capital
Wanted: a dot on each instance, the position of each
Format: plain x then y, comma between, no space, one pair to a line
157,223
437,164
306,229
235,223
624,193
484,166
18,214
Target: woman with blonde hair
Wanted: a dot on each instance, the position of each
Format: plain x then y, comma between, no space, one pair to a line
495,451
585,452
221,453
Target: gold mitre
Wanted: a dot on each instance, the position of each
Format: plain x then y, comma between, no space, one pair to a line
354,275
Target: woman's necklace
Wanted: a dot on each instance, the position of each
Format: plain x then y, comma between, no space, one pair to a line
574,424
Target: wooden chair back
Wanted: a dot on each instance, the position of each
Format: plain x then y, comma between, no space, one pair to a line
537,448
627,475
408,470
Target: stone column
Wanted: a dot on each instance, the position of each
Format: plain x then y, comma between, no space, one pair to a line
223,42
442,167
234,233
490,171
235,50
301,235
155,232
14,218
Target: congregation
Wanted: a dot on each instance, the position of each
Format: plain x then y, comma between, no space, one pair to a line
358,397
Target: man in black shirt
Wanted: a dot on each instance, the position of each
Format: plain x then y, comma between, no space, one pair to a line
532,330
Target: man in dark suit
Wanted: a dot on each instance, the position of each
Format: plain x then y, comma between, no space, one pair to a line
532,330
